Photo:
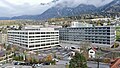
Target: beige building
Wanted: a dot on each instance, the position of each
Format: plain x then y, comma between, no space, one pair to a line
3,38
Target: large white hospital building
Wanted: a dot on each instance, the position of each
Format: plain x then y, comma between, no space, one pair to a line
33,38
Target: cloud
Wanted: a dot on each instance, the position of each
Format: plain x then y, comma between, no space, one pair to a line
14,9
74,3
33,7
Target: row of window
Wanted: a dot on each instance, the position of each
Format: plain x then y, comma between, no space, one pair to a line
79,37
26,37
89,28
44,36
43,41
41,48
101,42
43,32
17,32
43,44
33,32
31,39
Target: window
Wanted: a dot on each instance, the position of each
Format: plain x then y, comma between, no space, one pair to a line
37,45
47,32
48,44
31,33
52,32
47,35
37,32
108,33
31,46
91,52
42,32
43,36
31,36
42,44
56,43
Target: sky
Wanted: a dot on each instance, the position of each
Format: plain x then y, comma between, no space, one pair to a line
9,8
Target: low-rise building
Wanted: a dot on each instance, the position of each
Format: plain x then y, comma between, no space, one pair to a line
4,57
115,63
3,38
91,53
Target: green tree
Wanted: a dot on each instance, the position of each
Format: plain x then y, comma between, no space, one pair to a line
53,62
108,22
20,58
16,58
118,33
78,61
34,60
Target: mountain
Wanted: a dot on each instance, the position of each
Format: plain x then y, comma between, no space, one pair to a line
114,6
67,11
4,18
59,11
26,17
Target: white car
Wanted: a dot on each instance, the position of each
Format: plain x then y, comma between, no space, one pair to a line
1,64
55,59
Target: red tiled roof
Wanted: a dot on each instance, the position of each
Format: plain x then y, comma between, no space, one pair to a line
115,63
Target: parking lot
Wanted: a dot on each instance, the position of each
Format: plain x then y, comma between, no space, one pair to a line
60,52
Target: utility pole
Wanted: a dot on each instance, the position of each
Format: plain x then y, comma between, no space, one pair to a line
98,62
6,52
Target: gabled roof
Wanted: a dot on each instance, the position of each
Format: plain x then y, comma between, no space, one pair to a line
92,49
2,53
115,63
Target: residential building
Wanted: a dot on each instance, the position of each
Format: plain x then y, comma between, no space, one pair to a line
96,35
3,38
97,19
80,24
5,57
34,38
91,53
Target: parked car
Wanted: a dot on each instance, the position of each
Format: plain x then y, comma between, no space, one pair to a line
55,59
16,63
46,63
1,64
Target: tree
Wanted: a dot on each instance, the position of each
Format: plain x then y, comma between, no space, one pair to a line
116,45
53,62
34,60
99,23
108,22
29,59
16,58
20,58
49,58
84,48
78,61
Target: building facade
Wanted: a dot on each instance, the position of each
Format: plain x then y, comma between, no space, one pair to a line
34,39
102,35
3,38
